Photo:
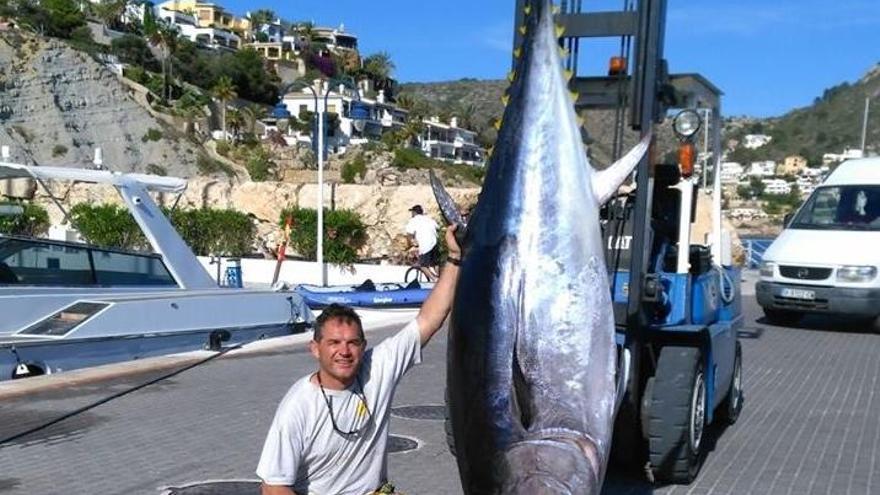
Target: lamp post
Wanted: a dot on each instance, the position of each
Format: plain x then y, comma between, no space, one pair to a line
865,119
320,110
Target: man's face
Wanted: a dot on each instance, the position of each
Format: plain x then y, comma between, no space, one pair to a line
339,352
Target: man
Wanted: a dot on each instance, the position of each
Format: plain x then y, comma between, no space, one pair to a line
424,229
330,431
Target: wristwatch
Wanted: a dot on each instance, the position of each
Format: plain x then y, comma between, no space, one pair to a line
454,261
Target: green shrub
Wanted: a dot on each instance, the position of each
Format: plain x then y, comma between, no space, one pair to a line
344,234
410,158
206,231
154,169
356,167
259,166
107,225
33,222
152,134
59,150
209,166
218,232
136,74
223,148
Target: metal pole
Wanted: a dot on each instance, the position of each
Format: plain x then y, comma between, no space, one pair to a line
865,124
706,123
320,113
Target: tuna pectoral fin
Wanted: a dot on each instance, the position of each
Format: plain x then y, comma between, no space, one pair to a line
606,182
448,208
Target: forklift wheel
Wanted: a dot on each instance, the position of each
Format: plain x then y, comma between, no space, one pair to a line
729,409
677,415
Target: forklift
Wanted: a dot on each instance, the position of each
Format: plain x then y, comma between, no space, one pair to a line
677,301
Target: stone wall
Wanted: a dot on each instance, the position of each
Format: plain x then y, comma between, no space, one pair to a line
384,209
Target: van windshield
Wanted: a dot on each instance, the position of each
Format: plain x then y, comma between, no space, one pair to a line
852,207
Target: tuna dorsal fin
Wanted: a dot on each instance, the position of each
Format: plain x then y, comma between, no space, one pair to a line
606,182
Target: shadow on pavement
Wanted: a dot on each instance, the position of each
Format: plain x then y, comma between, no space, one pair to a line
8,483
825,323
17,420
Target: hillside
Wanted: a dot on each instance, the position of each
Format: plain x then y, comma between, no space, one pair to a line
833,122
57,104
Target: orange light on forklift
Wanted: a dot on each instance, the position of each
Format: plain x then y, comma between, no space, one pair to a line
686,159
617,66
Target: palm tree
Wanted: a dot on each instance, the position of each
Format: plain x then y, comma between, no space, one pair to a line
110,12
379,65
251,114
466,114
224,91
235,121
164,35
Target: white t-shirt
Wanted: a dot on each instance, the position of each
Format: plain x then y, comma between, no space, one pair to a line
303,450
425,230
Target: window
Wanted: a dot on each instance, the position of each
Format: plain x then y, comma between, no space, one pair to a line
855,207
62,322
33,263
116,269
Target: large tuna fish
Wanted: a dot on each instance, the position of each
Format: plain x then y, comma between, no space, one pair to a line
532,358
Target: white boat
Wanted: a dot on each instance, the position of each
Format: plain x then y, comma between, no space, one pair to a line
68,305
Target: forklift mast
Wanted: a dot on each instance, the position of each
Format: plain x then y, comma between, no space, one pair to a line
647,90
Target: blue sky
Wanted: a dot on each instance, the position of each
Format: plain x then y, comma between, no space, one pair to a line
768,57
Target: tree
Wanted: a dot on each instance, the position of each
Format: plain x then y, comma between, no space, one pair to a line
63,17
379,66
262,17
235,121
224,91
132,49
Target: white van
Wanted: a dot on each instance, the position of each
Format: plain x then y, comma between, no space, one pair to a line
827,258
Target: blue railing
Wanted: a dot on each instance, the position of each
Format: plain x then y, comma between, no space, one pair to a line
755,248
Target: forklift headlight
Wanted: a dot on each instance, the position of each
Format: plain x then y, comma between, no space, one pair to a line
767,268
856,273
686,124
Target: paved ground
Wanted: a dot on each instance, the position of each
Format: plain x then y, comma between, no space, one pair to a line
809,424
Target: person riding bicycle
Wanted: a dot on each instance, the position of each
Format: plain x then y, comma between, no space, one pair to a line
424,230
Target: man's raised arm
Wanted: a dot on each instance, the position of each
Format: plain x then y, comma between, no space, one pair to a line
435,309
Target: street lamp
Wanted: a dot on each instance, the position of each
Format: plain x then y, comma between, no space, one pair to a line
865,120
320,110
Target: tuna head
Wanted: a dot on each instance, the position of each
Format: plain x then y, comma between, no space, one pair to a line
532,358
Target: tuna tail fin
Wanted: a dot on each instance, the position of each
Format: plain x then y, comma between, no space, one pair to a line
606,182
448,208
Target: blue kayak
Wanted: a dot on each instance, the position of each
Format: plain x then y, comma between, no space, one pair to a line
366,295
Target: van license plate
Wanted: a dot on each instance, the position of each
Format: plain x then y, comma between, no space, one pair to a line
808,295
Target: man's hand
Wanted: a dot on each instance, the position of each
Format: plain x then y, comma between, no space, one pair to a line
453,250
276,490
436,308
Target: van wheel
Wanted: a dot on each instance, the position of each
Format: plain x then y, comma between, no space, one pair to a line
782,317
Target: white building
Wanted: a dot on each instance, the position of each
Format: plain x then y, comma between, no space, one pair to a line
360,119
731,172
848,154
762,169
450,143
776,186
753,141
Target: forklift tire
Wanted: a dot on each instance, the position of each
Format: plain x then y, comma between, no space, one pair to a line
730,408
782,317
677,415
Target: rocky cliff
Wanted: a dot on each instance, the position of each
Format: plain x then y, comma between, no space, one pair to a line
58,104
